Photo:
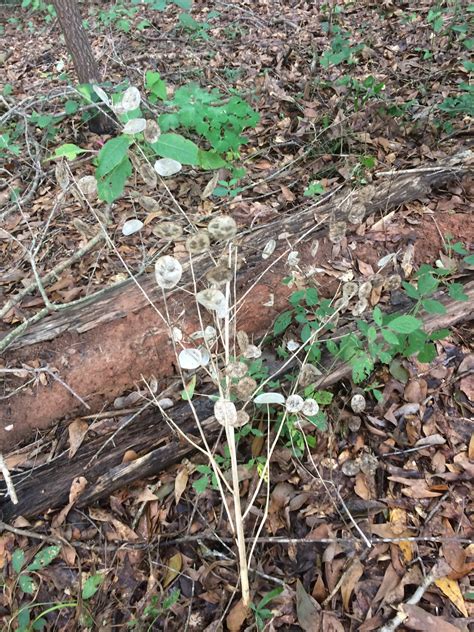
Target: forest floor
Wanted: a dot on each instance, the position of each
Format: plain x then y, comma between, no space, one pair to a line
376,505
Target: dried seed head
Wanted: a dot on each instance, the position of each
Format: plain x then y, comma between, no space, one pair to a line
310,407
365,289
368,464
357,212
236,369
358,403
349,290
87,185
168,271
308,375
219,275
234,262
337,232
245,388
148,175
168,230
350,467
148,203
222,227
294,403
393,282
360,307
198,243
213,300
225,412
152,131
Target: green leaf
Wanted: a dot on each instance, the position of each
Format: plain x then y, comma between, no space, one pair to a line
210,160
111,155
389,337
469,260
201,484
39,624
111,186
427,284
324,398
410,290
44,557
439,334
427,354
177,147
69,150
71,107
433,307
188,392
155,84
91,585
23,619
282,322
18,560
312,297
27,585
377,315
456,292
416,342
269,596
405,324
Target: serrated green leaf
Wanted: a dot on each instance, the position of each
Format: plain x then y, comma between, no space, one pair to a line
210,160
201,484
439,334
27,584
91,585
456,292
69,151
178,148
427,284
410,290
23,619
112,155
44,557
282,322
18,560
312,297
405,324
427,354
469,260
389,337
155,84
188,392
324,398
111,186
433,307
377,315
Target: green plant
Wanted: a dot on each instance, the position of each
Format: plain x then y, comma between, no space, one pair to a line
260,611
314,188
198,30
157,607
40,6
341,51
26,581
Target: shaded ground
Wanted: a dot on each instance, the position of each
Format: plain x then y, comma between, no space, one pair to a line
402,468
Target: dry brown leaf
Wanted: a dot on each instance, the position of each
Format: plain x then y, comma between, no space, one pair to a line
122,531
419,619
349,580
331,623
180,483
237,616
308,610
77,486
467,386
173,569
450,588
77,431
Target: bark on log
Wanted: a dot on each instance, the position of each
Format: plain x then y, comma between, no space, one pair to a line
150,437
106,346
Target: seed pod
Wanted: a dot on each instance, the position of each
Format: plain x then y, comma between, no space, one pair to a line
236,369
222,227
358,403
245,388
168,271
219,275
294,403
168,230
198,243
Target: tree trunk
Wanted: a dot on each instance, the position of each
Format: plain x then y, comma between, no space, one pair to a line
80,49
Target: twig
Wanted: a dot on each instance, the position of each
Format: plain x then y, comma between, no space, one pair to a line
414,599
8,481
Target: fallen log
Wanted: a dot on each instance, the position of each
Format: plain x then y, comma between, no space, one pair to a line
104,346
157,448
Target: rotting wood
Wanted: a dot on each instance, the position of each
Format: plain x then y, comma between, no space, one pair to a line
150,437
104,347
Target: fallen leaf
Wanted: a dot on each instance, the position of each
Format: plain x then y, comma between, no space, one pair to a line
349,580
174,565
450,588
77,486
237,616
77,431
308,610
180,483
419,619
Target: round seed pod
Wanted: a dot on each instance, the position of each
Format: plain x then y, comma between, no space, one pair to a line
358,403
236,369
245,388
198,243
168,230
219,275
337,232
222,227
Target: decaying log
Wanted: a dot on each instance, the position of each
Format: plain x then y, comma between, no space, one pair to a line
104,347
157,447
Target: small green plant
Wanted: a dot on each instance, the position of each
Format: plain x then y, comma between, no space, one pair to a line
197,30
341,51
157,607
314,188
40,6
260,611
362,91
26,581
